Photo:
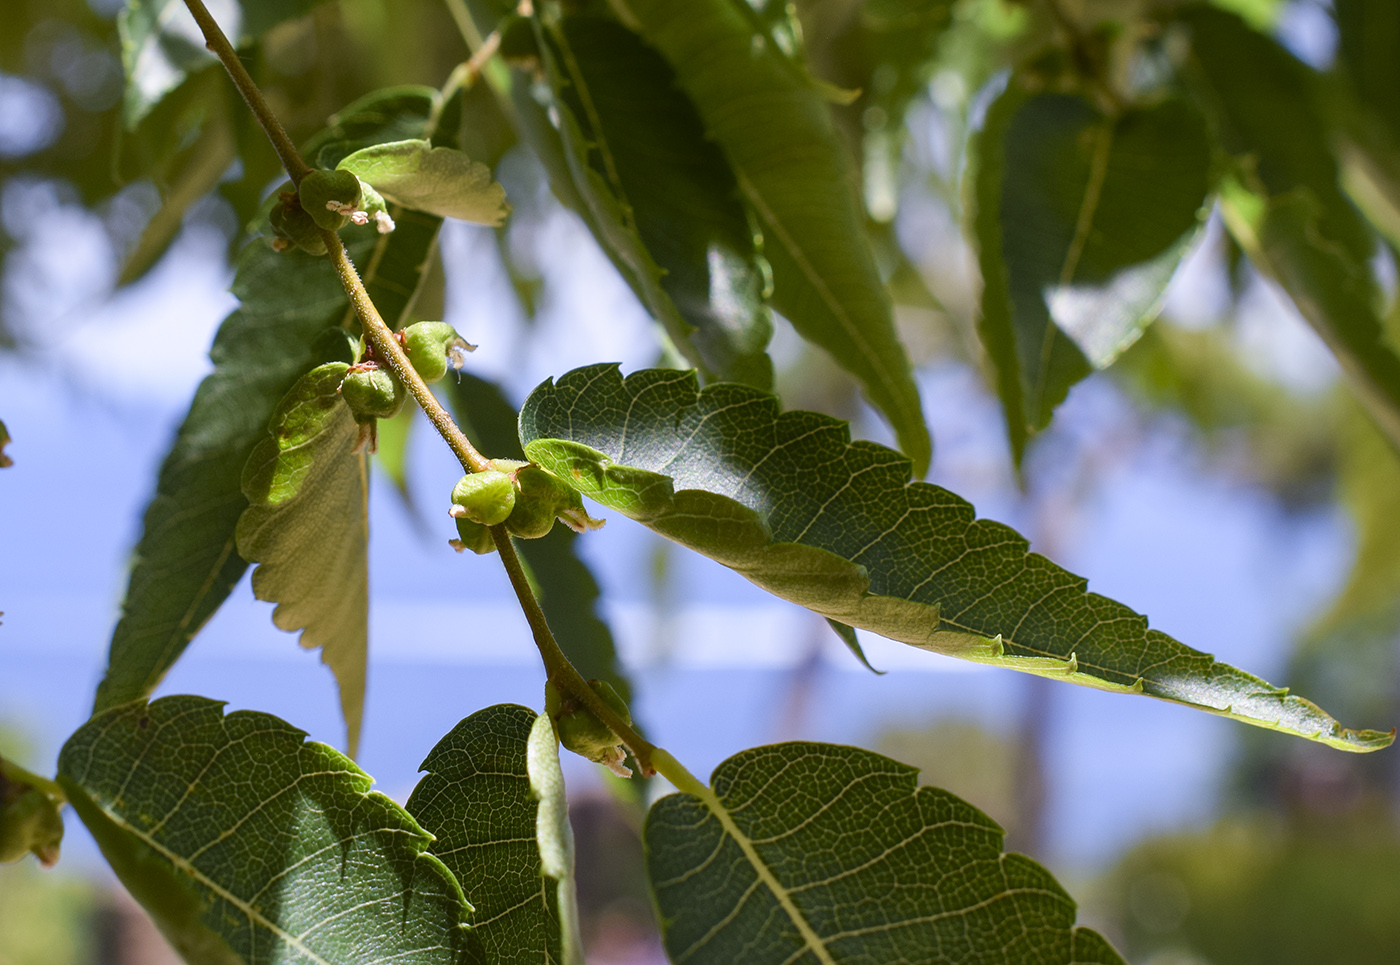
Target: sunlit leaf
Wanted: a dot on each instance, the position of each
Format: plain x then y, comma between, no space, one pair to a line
568,591
161,43
493,797
778,135
1081,220
1286,207
660,194
246,843
822,853
791,503
439,180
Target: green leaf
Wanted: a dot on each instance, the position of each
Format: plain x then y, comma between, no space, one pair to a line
1081,220
778,135
439,180
791,503
247,843
848,637
186,563
1285,206
385,115
307,526
493,798
161,44
662,197
822,853
567,589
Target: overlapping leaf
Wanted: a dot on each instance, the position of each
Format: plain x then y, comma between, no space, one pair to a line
1287,209
307,528
567,589
791,503
161,43
493,798
822,853
439,180
186,563
248,844
660,194
778,135
1081,220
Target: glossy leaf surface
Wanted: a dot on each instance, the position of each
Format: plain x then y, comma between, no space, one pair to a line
493,797
791,503
828,854
247,843
777,133
1082,219
307,528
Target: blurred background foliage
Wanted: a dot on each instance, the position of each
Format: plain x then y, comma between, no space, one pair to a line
1303,863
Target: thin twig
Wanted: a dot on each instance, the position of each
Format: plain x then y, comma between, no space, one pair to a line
215,40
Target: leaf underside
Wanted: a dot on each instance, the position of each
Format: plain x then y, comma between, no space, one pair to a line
307,528
1082,219
439,180
248,844
791,503
819,853
777,132
493,798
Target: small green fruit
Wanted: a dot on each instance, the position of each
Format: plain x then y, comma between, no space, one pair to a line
372,392
542,498
30,823
484,497
582,732
471,535
292,225
431,346
330,197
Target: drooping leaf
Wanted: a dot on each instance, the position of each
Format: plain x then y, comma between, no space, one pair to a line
568,591
246,843
852,642
307,528
823,853
660,194
1286,207
439,180
493,797
778,135
1081,220
186,563
161,43
791,503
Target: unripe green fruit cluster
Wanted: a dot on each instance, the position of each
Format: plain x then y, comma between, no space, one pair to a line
372,392
292,225
329,197
527,498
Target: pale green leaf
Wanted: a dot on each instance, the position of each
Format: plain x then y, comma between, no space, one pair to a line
659,193
1082,219
439,180
248,844
567,588
161,43
1286,208
791,503
791,168
307,527
827,854
493,797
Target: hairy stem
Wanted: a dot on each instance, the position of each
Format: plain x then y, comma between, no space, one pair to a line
557,666
215,40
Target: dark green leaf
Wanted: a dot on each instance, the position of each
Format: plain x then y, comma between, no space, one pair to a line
248,844
1081,221
493,797
822,853
848,637
161,44
662,194
568,591
778,135
1287,210
791,503
307,528
389,114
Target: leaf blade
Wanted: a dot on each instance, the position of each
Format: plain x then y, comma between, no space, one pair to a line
247,843
439,180
833,854
795,506
779,138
